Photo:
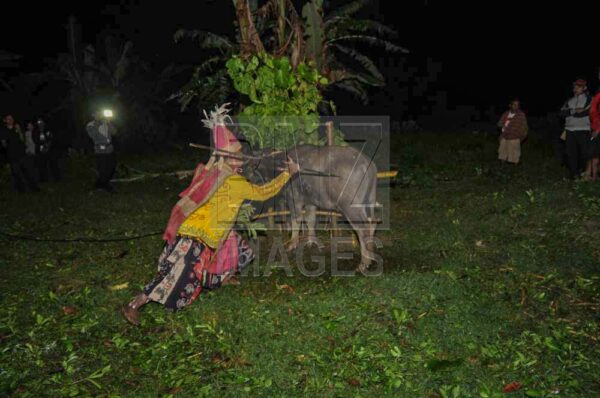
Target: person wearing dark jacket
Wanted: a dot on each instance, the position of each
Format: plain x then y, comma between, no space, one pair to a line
13,141
101,130
513,125
577,127
46,151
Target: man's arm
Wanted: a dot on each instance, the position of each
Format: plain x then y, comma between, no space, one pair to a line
502,120
565,110
585,111
525,126
91,130
113,129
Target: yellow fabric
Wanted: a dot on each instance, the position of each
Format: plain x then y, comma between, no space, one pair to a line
216,217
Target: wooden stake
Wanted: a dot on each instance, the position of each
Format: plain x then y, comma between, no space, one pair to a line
331,142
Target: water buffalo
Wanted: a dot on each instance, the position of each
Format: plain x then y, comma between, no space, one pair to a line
332,178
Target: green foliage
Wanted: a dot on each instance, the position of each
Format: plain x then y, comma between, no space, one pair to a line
248,227
283,102
209,84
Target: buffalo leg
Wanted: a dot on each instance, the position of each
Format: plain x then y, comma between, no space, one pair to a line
310,217
296,207
357,217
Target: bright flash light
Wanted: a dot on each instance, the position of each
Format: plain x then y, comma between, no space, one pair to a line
107,113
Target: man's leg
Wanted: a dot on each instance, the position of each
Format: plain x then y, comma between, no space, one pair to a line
572,153
594,175
583,141
54,165
29,176
111,165
106,169
43,167
100,170
17,177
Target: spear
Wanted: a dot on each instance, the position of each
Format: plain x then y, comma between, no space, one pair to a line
238,155
243,156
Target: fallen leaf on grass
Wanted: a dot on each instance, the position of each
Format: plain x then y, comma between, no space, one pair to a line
300,358
218,358
119,287
70,310
123,254
354,383
473,360
512,387
285,287
174,390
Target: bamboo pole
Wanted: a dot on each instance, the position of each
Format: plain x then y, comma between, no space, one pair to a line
271,218
387,174
331,142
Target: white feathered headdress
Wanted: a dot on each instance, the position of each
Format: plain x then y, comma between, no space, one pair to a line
218,117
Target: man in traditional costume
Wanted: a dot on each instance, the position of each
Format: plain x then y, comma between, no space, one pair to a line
202,251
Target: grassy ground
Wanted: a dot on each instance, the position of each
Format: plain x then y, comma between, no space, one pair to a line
490,278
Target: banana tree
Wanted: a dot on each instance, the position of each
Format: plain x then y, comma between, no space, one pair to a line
209,83
275,27
332,41
120,78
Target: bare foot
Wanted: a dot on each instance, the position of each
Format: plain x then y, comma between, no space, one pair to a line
230,280
131,314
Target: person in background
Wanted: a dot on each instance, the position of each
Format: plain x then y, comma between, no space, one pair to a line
577,127
13,140
514,129
47,156
30,148
594,145
29,139
101,130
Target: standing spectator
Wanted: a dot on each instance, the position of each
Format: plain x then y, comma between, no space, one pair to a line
577,127
30,149
594,146
47,155
101,130
514,129
30,139
13,140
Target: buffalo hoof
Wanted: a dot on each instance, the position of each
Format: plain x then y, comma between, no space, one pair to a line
293,245
362,268
314,242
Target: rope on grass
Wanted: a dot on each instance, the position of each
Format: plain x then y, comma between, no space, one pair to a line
81,240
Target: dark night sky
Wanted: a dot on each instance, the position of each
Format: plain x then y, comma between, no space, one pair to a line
489,50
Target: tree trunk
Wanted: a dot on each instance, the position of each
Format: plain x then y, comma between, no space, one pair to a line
250,39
